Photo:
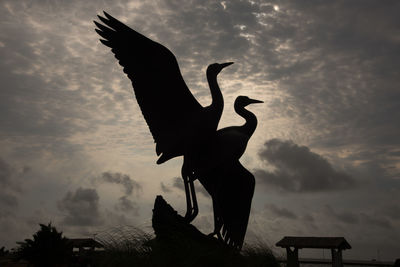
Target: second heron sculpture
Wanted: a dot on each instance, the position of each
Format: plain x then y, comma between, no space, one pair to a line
230,185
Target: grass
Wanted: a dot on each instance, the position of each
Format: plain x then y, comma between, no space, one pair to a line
129,246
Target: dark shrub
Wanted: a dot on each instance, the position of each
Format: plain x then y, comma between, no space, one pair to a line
47,248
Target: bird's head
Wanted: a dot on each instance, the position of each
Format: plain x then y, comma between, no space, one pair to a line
242,101
216,68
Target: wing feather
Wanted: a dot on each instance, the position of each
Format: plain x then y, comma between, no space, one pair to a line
231,187
235,200
164,99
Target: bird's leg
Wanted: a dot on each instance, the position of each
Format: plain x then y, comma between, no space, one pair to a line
187,192
195,209
217,222
191,201
217,233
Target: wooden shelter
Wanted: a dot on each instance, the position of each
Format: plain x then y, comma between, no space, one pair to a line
294,243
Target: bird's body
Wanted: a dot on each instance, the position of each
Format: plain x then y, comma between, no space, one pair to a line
231,187
229,144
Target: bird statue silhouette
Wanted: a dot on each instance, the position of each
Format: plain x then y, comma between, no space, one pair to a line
230,185
177,121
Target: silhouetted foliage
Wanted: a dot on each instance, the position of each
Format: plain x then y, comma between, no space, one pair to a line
128,246
3,251
47,248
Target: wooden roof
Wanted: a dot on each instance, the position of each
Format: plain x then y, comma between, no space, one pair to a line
314,242
84,242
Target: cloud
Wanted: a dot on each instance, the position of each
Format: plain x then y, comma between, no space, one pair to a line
280,212
10,176
6,172
81,207
125,180
375,220
178,183
126,205
10,184
392,211
8,200
359,218
164,188
345,217
308,218
297,169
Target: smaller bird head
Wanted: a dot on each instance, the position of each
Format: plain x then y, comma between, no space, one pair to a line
242,101
216,68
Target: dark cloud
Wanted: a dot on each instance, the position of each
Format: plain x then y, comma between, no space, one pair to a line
8,199
164,188
81,207
280,212
6,171
392,211
360,218
126,205
10,184
297,169
345,217
376,220
125,180
309,218
178,183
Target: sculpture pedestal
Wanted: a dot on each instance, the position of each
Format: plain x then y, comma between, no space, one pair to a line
169,226
178,242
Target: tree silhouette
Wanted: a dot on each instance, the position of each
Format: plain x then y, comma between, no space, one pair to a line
3,251
47,248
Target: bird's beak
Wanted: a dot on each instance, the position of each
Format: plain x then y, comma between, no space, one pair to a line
223,65
255,101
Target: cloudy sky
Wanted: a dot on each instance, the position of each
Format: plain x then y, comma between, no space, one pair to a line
76,151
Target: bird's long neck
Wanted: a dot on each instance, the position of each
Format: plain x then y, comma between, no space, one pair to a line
217,104
251,120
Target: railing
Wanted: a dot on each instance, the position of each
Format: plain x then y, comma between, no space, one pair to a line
345,262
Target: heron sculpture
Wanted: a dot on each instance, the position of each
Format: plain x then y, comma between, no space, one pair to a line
230,185
177,121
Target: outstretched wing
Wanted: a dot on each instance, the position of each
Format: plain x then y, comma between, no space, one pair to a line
165,100
231,187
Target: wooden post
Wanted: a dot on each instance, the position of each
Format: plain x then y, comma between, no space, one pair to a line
337,258
292,257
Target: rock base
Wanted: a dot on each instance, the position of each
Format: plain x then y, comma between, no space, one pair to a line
179,243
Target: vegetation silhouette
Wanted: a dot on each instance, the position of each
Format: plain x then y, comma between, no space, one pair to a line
129,246
3,251
47,248
182,127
